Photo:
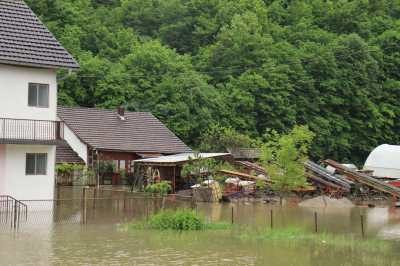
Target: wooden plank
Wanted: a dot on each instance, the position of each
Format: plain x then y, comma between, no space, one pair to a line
242,175
365,179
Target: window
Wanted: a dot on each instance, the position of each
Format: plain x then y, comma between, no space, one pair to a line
36,164
38,95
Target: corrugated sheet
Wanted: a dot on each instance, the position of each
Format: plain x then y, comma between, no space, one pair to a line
24,40
104,130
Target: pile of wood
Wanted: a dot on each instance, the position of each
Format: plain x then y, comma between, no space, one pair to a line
326,182
365,179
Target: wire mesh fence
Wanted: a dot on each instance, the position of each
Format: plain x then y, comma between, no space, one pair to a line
92,206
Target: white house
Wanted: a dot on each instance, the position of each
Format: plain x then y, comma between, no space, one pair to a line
29,131
384,160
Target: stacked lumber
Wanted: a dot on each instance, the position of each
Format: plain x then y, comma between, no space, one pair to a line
252,166
322,176
242,175
365,179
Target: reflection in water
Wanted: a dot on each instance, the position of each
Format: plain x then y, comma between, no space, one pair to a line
62,240
106,245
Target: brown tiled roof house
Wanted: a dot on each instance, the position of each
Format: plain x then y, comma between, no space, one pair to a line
138,132
24,40
115,135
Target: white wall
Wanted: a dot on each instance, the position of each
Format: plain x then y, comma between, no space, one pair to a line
75,143
14,92
2,168
25,187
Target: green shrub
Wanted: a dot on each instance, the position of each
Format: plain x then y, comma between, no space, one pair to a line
176,220
179,220
162,188
261,185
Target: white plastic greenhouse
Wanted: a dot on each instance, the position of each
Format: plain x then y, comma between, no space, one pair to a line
384,160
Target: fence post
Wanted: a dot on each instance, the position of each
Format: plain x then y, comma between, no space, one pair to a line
84,206
232,216
362,225
316,222
272,219
124,201
147,209
94,197
15,214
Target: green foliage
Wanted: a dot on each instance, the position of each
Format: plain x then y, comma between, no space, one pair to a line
245,65
219,139
198,166
68,168
300,235
176,220
76,171
284,157
162,188
261,185
180,220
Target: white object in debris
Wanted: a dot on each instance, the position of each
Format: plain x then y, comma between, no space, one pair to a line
246,183
232,180
332,169
350,166
262,177
208,182
196,186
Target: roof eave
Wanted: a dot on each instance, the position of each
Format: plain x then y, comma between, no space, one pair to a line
45,66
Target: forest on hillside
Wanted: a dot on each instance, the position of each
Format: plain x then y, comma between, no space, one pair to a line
247,65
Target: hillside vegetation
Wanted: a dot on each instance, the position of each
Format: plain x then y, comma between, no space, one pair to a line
252,65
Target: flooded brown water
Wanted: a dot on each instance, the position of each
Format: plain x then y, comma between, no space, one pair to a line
104,243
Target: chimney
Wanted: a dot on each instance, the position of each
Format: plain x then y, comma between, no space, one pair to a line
121,112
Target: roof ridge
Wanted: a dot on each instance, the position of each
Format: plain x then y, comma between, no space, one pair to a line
103,109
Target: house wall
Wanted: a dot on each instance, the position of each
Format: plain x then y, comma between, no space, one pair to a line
22,186
14,92
76,144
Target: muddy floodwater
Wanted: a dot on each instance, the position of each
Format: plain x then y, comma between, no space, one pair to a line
106,243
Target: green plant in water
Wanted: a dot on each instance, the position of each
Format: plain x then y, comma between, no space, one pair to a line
179,220
162,188
299,235
284,157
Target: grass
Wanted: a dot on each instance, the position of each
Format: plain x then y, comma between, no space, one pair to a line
189,220
178,220
299,235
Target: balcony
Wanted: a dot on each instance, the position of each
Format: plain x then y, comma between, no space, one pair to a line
24,131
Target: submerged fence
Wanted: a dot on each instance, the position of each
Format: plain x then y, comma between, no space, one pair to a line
12,211
91,206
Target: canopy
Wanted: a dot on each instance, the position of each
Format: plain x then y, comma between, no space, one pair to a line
179,158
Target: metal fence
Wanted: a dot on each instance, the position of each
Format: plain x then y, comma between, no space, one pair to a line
92,206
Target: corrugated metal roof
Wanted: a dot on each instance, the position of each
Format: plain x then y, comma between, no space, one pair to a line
24,40
104,130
